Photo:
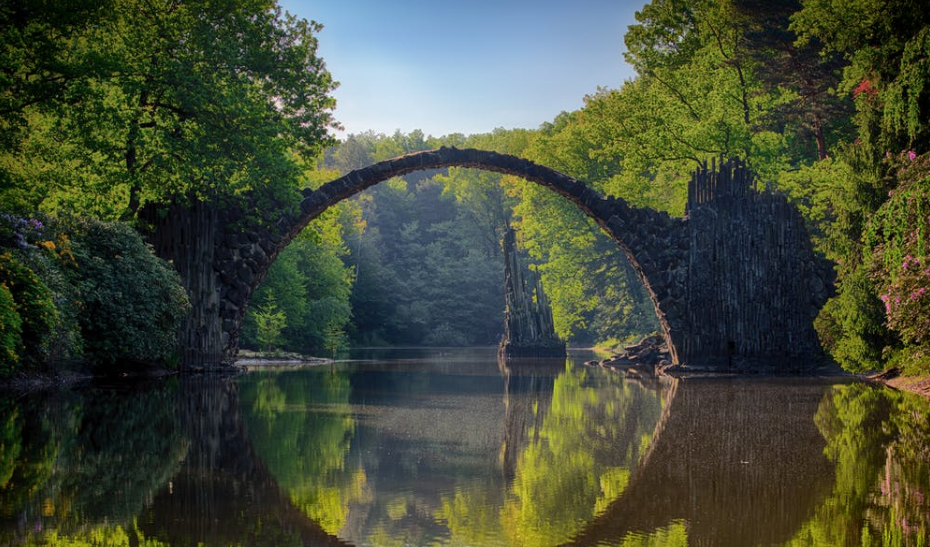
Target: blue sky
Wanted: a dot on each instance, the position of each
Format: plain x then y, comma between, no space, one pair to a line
467,66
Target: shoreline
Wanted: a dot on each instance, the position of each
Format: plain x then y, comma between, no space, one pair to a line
919,385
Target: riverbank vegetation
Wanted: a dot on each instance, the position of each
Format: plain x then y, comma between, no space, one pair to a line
827,102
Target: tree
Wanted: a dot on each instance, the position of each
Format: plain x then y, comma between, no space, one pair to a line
812,111
886,48
201,99
270,322
336,339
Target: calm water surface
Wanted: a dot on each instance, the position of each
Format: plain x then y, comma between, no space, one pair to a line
447,448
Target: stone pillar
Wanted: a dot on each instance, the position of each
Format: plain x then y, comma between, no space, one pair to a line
528,327
185,236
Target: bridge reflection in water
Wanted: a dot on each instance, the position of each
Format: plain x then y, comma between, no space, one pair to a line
441,450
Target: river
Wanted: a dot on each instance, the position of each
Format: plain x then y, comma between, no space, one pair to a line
447,447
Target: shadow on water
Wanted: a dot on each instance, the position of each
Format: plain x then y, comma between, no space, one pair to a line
429,450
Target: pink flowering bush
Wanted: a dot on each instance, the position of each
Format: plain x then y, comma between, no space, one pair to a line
907,299
899,237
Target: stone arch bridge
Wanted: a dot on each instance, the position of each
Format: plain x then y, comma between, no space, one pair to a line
735,282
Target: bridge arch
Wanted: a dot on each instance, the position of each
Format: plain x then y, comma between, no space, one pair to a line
643,234
735,283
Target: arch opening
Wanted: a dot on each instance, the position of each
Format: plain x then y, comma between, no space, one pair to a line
611,215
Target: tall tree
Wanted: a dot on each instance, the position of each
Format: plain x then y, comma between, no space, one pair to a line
197,98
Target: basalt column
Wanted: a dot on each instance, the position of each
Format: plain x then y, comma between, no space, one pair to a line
528,325
185,235
754,283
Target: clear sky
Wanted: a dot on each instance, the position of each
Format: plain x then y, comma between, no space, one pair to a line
467,66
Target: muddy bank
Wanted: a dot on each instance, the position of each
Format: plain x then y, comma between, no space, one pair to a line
892,378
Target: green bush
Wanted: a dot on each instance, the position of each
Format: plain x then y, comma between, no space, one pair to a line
852,326
11,342
64,341
132,301
33,302
39,244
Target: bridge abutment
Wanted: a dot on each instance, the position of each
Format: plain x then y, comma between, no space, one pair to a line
185,235
754,283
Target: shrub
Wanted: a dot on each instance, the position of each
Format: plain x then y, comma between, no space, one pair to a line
11,342
64,341
899,238
133,302
39,245
851,325
33,302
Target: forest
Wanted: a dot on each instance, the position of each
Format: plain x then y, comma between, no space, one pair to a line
114,106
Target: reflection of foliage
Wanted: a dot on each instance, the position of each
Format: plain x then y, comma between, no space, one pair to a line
111,535
592,434
568,474
10,446
470,515
85,457
674,535
27,453
878,440
306,451
127,446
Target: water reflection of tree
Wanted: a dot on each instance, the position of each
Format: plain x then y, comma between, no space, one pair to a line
28,450
879,441
88,461
572,437
301,426
737,462
580,460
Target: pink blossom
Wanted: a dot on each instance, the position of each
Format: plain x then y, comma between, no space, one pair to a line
911,155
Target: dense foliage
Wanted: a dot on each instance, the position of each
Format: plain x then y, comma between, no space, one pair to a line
155,100
306,291
132,302
11,325
86,290
114,105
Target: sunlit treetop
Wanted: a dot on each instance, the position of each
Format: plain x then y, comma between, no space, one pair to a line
144,101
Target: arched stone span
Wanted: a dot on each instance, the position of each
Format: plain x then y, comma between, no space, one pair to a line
652,241
735,283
